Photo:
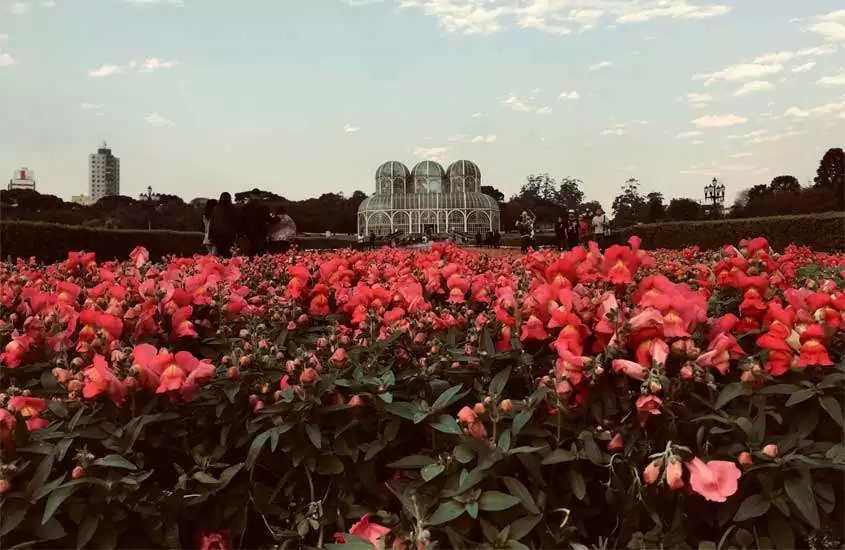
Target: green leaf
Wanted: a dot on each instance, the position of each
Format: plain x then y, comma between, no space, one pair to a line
522,527
412,462
731,392
205,479
229,473
520,420
329,465
752,507
313,432
401,409
495,501
472,509
255,448
446,512
115,461
577,483
40,476
779,389
86,530
499,381
487,344
557,456
505,440
833,408
431,471
463,453
473,478
800,492
519,490
447,424
11,515
52,530
800,396
446,398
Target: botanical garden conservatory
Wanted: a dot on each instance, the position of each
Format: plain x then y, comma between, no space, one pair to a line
428,200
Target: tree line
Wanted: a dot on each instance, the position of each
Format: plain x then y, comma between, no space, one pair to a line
543,194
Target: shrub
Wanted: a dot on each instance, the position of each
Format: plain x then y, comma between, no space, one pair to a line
675,399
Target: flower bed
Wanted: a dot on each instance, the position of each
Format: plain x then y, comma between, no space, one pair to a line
639,399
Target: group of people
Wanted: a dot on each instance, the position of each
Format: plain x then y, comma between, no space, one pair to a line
571,231
253,228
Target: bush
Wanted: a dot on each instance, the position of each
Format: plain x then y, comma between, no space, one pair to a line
674,400
51,242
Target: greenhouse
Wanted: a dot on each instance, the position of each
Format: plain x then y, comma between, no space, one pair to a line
428,200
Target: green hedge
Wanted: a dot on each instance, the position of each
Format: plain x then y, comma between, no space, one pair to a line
824,231
51,242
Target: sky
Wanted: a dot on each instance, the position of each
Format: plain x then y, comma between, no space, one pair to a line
304,97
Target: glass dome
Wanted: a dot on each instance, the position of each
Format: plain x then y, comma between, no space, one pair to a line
392,177
432,202
463,176
428,177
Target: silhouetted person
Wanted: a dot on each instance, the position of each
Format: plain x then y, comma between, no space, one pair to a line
281,232
478,239
497,239
373,240
560,232
255,218
572,230
207,215
224,226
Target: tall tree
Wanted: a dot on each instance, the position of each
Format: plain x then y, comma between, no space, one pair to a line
655,209
629,206
491,191
569,194
683,209
785,184
831,172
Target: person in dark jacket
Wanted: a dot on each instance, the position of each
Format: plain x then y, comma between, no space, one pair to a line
224,226
572,230
561,228
255,219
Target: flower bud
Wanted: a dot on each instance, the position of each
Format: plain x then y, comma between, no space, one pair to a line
745,459
309,376
686,372
506,405
4,486
356,401
479,408
652,472
616,444
674,474
771,450
77,472
233,373
467,415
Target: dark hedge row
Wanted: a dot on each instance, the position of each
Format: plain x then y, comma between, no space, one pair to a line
52,242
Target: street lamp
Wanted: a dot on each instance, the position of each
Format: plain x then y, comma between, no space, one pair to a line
714,195
150,199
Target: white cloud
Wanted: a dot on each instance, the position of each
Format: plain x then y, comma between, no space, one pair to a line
105,70
681,10
739,72
154,64
835,80
718,121
90,106
157,121
19,8
765,138
4,36
618,130
753,87
804,67
831,26
739,155
431,153
543,110
489,138
476,115
456,137
599,66
514,103
349,129
691,133
829,108
179,3
568,95
6,60
48,4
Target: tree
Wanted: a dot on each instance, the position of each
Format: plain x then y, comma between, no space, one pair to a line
683,209
569,194
589,208
491,191
655,209
831,171
263,195
629,206
785,184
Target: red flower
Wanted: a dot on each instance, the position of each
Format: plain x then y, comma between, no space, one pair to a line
813,350
31,409
366,530
99,379
181,324
7,428
715,480
632,369
215,541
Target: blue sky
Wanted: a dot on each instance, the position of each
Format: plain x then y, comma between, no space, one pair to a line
304,97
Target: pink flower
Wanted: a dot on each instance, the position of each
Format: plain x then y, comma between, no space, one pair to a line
366,530
632,369
715,480
616,444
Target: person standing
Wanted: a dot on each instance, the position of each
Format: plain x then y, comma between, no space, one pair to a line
525,226
207,215
281,233
223,230
561,225
583,230
255,218
572,230
599,224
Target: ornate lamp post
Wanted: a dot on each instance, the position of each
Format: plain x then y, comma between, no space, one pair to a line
714,196
150,199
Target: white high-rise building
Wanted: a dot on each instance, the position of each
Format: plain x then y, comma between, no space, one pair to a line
104,174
